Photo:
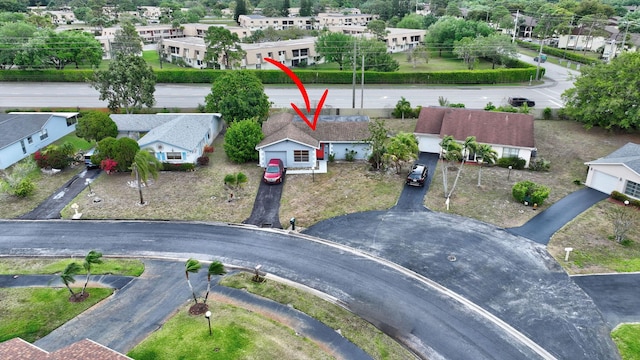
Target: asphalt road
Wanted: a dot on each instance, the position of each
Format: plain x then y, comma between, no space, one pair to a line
72,95
423,316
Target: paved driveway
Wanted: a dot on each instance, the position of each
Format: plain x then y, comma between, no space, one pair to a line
51,207
412,197
266,207
617,295
541,227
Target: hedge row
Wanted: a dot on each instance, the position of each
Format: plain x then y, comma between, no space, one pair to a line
616,195
207,76
561,53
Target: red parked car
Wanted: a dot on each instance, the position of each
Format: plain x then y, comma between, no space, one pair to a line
274,172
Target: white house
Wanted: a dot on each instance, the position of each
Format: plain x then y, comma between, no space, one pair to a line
618,171
173,138
509,134
288,138
24,133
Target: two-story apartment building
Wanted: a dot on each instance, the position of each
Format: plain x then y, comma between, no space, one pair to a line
259,22
397,39
334,19
192,51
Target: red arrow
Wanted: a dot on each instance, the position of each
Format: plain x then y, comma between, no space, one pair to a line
303,91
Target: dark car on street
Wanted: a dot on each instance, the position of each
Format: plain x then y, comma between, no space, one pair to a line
417,175
519,101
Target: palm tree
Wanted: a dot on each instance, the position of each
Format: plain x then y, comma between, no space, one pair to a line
192,266
67,275
486,155
451,151
145,164
468,147
93,257
216,268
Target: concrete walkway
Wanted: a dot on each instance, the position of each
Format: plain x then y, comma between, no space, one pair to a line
140,306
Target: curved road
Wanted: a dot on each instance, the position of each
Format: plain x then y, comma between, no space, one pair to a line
433,321
557,80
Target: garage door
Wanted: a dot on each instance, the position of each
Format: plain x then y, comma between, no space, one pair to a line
603,182
282,155
429,144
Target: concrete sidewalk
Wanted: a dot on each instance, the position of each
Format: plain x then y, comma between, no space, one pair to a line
141,305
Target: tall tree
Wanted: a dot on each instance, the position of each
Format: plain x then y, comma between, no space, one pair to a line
376,57
241,139
127,41
223,47
442,35
192,266
145,165
285,8
215,268
49,48
497,48
238,95
606,95
378,141
378,28
68,276
306,8
402,148
335,47
95,126
93,257
485,155
13,35
129,83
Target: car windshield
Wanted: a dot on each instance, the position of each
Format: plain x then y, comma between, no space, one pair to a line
417,172
273,169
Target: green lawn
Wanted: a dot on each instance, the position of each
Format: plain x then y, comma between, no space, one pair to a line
152,58
31,313
626,337
26,266
78,143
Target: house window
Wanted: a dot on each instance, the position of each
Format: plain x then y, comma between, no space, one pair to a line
632,189
44,134
301,155
72,120
174,156
296,52
24,149
510,152
30,140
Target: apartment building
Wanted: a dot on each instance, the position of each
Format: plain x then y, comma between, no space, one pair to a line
192,51
259,22
334,19
397,39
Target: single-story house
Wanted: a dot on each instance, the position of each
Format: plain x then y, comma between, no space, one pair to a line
24,133
288,138
17,348
619,171
509,134
173,138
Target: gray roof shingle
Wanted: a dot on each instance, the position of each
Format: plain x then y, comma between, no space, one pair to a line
183,131
628,155
14,127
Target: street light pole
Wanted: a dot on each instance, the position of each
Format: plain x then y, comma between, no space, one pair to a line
208,316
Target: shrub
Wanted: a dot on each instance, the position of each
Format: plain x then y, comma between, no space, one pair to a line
513,161
539,164
531,192
24,188
457,105
332,157
203,160
108,165
547,113
616,195
490,106
350,155
208,149
577,181
178,167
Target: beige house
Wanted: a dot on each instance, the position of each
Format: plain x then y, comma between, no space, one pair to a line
397,39
192,51
618,171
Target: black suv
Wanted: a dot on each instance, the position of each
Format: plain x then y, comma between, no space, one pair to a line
519,101
417,175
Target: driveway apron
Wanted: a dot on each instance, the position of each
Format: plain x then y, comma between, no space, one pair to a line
615,294
266,208
412,198
541,227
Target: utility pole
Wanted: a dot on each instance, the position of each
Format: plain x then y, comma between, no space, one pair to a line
353,92
515,26
362,84
626,29
546,28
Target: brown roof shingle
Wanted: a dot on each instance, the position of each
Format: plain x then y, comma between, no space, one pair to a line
18,349
282,126
489,127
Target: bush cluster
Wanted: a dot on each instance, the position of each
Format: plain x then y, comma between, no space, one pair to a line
530,192
208,149
539,164
203,160
616,195
178,167
513,161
